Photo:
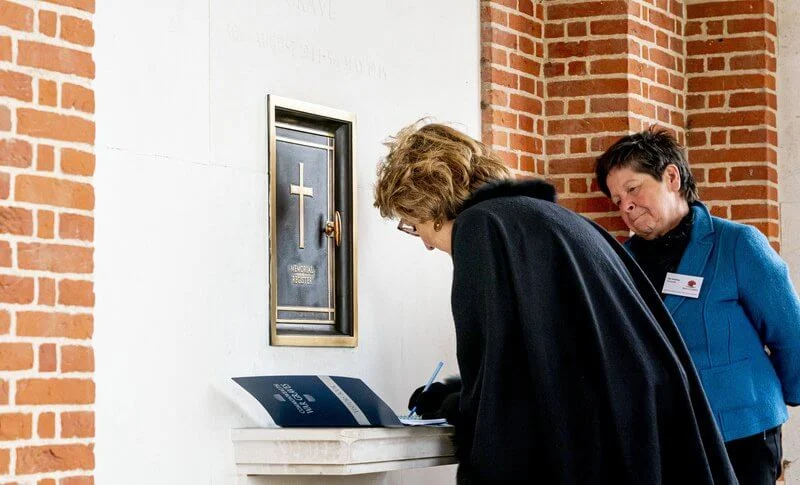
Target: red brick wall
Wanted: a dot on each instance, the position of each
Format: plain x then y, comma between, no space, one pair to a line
609,68
47,136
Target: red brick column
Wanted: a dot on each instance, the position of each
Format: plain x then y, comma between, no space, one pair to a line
731,107
587,93
614,67
46,251
657,61
512,88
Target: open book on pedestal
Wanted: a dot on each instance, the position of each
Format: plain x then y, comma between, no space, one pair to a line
320,401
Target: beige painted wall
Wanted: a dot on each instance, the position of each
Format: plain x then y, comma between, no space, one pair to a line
789,181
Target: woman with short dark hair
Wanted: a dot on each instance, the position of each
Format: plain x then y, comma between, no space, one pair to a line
727,290
570,374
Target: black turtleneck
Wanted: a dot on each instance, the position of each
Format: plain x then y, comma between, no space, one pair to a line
662,255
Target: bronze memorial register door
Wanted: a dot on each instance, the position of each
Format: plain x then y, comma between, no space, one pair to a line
312,245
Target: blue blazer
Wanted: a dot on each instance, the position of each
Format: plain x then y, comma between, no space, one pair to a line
746,302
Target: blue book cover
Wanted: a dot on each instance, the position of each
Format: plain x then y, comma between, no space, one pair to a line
319,401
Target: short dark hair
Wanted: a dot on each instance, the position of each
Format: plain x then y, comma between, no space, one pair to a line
650,152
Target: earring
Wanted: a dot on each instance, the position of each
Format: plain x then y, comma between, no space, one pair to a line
437,226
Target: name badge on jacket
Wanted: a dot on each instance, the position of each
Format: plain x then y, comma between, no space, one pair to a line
682,285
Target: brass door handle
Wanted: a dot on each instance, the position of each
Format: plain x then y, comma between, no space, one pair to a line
334,228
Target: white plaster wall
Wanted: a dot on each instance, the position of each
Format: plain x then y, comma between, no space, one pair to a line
788,12
181,219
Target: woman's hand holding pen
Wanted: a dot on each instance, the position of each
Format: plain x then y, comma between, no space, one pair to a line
439,401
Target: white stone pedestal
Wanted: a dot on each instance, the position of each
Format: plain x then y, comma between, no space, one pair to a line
334,455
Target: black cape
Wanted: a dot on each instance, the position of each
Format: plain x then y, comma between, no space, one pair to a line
573,371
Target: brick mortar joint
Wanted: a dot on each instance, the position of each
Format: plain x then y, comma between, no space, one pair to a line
57,144
616,57
38,73
587,21
502,8
37,5
35,273
508,30
38,442
18,103
35,373
56,173
39,38
704,37
738,16
60,341
14,204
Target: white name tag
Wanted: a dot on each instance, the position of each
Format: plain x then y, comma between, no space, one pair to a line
682,285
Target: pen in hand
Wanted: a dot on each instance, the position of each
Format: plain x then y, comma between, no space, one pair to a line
430,381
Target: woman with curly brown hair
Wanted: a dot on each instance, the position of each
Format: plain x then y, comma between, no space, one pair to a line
569,373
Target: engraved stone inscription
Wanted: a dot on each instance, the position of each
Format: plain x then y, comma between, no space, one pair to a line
320,8
297,49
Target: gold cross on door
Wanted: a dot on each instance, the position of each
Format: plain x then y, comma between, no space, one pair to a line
303,192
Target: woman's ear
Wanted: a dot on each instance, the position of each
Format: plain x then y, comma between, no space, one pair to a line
672,177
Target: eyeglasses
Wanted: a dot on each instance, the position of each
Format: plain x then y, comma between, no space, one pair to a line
408,228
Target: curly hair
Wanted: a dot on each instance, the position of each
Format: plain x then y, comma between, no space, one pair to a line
430,171
649,152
